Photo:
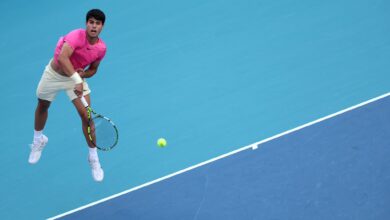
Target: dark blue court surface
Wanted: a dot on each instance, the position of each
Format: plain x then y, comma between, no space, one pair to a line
336,169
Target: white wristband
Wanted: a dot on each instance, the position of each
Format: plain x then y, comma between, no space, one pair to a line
76,78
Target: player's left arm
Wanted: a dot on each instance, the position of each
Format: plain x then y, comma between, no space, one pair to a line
92,69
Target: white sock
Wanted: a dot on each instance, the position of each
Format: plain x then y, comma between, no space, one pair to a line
93,153
37,134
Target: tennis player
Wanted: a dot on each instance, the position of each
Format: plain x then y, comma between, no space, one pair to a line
77,56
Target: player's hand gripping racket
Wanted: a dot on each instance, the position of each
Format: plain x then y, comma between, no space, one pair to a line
102,132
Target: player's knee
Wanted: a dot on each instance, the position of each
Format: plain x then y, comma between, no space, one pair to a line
43,106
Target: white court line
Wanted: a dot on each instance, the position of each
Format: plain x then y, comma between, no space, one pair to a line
251,146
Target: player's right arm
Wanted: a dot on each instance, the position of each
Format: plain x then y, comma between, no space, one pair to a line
68,69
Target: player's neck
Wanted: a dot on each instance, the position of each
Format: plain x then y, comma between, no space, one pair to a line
92,40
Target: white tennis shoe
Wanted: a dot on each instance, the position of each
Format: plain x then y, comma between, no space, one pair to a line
97,171
37,148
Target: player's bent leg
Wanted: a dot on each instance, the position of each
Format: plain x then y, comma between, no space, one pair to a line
41,114
39,140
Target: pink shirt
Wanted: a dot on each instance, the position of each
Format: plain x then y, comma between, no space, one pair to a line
83,53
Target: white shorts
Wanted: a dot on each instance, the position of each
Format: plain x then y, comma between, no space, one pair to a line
52,82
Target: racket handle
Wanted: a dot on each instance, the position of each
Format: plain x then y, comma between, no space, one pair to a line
85,103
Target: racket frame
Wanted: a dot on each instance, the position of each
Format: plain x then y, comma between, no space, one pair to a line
90,111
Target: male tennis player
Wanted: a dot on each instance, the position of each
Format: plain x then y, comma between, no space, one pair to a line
77,56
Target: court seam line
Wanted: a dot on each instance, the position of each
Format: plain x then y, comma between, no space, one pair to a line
254,145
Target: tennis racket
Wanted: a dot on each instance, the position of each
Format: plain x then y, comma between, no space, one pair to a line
102,132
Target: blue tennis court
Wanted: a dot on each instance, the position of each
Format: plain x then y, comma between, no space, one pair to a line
333,169
214,78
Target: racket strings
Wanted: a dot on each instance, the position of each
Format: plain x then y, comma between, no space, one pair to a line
105,134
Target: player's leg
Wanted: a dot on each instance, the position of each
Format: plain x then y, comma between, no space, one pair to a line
39,140
47,89
81,110
93,158
41,114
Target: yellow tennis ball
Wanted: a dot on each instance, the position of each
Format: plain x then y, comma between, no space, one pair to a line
161,142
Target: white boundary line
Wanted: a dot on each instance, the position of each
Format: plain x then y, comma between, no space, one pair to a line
253,146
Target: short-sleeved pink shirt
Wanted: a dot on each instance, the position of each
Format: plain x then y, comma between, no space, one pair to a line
83,53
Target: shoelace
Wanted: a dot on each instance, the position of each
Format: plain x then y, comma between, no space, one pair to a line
35,146
94,164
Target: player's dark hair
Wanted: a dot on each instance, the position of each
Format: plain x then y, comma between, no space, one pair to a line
97,14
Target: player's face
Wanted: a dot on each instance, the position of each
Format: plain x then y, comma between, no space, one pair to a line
94,27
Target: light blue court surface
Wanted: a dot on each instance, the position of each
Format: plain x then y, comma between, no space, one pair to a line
211,77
